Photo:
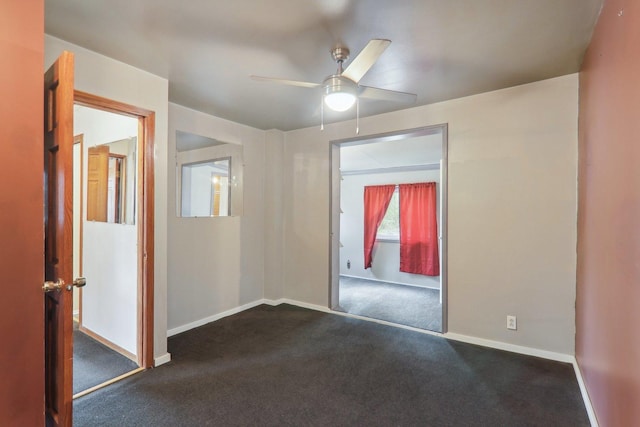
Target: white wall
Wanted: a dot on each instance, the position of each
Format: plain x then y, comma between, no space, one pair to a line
110,260
103,76
386,255
512,210
216,264
109,300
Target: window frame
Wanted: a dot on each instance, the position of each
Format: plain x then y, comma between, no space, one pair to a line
385,237
181,188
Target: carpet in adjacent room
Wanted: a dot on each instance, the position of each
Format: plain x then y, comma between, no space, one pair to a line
406,305
95,363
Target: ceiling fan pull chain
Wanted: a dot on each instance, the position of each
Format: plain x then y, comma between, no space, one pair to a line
357,116
322,112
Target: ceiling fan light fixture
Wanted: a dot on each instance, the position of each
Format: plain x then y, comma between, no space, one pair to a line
339,93
340,101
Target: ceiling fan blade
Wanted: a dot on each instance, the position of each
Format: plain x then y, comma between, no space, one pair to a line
387,95
285,81
365,59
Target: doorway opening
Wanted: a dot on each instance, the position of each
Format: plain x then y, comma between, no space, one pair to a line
375,218
113,241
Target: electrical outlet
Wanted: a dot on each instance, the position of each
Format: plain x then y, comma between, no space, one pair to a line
512,322
348,264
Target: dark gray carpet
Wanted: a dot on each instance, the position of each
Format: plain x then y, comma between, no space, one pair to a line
288,366
95,363
405,305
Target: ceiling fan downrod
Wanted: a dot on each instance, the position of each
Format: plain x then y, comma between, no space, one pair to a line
340,54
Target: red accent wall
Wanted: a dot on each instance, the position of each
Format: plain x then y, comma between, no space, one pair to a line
21,215
608,273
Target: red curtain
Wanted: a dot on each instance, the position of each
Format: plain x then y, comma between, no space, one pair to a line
419,229
376,202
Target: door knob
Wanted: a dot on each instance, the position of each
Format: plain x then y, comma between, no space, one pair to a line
79,282
49,286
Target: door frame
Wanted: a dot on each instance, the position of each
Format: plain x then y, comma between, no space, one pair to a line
144,215
79,140
334,207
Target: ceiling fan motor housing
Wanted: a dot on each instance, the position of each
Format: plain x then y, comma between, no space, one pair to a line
336,83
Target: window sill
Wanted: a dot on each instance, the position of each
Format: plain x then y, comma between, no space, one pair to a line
389,239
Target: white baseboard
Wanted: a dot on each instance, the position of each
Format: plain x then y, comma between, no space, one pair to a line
585,395
213,318
298,304
529,351
165,358
272,302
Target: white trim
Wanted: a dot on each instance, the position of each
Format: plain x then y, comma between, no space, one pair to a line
106,383
387,238
585,395
209,319
161,360
513,348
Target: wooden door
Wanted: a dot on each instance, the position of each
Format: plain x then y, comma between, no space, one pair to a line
97,183
58,195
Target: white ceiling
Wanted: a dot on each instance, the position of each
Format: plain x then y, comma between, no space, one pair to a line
413,151
441,49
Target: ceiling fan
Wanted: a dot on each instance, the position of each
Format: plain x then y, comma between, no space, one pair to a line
341,90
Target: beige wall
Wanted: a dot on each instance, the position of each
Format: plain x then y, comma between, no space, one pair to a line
106,77
273,222
215,264
608,288
512,210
